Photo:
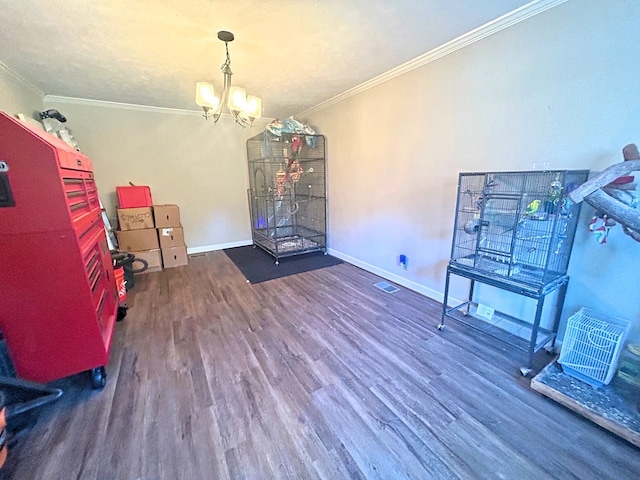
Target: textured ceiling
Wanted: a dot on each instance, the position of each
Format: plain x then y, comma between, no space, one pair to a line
294,54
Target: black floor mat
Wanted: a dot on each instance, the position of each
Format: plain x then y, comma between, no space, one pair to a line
258,266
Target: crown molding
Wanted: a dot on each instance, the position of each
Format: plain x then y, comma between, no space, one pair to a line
21,80
501,23
128,106
118,105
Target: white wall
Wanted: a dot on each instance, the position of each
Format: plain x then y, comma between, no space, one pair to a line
560,88
16,96
185,159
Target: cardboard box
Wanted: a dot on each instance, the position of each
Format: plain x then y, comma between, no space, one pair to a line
174,257
167,216
135,218
137,240
153,259
171,237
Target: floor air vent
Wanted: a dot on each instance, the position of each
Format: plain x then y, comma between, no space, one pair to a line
194,255
387,287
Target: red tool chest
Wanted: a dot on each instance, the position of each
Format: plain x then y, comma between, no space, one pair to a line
58,300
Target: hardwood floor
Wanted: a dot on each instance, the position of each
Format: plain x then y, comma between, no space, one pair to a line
318,375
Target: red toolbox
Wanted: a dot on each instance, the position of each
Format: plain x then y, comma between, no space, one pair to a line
60,301
134,196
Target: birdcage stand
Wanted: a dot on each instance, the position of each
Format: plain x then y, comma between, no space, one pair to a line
527,336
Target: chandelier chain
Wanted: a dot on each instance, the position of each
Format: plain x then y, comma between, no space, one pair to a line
227,62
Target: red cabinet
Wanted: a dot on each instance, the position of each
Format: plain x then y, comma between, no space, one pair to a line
58,297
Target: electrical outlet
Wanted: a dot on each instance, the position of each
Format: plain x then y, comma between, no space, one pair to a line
403,261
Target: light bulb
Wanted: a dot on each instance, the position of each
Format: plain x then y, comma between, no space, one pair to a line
253,108
237,99
205,96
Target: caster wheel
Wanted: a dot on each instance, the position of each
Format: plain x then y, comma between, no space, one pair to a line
441,327
277,263
122,312
98,377
525,371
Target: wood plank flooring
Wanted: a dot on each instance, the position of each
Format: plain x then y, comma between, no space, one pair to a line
314,376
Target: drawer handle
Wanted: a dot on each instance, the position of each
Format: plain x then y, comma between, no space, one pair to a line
76,206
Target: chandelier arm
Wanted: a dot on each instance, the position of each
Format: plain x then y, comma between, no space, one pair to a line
242,120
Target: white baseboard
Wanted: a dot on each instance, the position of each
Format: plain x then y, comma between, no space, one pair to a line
410,284
220,246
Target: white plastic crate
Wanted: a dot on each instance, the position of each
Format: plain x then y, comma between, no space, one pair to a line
591,346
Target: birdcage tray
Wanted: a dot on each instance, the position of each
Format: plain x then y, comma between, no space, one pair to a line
523,280
504,327
288,246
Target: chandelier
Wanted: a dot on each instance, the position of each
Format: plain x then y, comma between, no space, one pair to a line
244,109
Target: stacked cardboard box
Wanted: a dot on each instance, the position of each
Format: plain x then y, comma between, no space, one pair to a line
171,235
153,233
138,235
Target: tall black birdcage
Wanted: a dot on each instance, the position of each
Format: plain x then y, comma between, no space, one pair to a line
287,194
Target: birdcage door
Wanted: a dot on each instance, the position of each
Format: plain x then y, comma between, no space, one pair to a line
257,198
498,225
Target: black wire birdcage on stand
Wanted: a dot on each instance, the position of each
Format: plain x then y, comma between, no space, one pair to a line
513,231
